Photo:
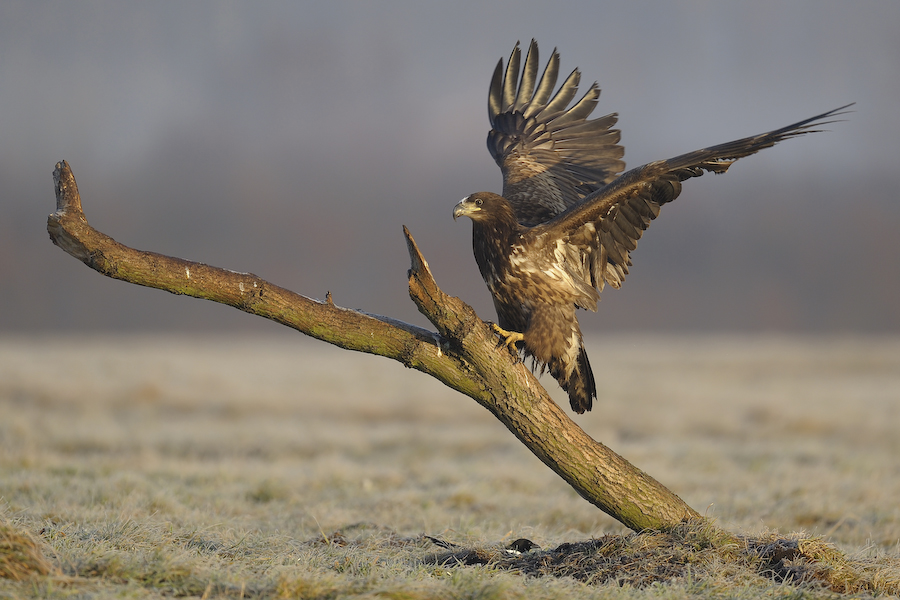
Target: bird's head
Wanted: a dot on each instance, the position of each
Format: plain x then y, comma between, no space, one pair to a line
483,206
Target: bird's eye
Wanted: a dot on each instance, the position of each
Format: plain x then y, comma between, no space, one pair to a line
479,202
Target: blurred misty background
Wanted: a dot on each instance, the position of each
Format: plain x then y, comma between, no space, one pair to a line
293,139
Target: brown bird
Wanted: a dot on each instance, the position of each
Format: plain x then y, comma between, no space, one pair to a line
567,220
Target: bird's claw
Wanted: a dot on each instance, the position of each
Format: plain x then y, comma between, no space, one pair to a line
509,338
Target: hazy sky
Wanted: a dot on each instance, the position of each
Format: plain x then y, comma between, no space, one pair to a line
294,139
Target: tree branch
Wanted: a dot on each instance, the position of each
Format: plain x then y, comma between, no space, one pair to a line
464,354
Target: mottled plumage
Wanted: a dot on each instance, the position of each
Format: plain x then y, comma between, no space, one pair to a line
567,221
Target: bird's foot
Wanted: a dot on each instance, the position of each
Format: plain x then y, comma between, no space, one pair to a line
510,338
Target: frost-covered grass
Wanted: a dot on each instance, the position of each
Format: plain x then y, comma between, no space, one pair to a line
228,467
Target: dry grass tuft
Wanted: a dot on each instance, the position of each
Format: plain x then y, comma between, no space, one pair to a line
20,554
801,560
308,587
694,551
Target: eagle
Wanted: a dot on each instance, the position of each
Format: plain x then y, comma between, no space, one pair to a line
570,215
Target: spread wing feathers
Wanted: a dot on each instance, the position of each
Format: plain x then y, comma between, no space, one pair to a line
600,233
551,156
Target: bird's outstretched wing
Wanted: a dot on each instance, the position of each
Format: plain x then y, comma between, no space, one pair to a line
551,155
600,232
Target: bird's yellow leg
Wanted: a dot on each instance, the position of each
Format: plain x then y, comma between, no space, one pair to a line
510,338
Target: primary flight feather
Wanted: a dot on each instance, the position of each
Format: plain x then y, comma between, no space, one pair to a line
568,220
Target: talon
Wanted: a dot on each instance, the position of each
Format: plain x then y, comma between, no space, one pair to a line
510,338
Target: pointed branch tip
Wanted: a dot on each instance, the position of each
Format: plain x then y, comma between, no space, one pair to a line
419,265
68,200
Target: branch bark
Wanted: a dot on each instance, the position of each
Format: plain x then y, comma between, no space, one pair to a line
463,354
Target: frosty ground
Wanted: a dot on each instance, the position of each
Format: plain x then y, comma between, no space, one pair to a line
278,466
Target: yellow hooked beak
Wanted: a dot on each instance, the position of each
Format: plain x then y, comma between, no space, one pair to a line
465,208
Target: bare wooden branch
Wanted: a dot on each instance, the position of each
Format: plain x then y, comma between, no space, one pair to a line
463,354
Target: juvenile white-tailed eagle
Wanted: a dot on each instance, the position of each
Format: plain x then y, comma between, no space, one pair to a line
567,220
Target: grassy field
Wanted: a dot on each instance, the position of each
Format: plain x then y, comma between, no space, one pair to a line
280,467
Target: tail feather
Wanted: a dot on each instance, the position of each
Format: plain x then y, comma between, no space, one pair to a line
579,383
581,387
